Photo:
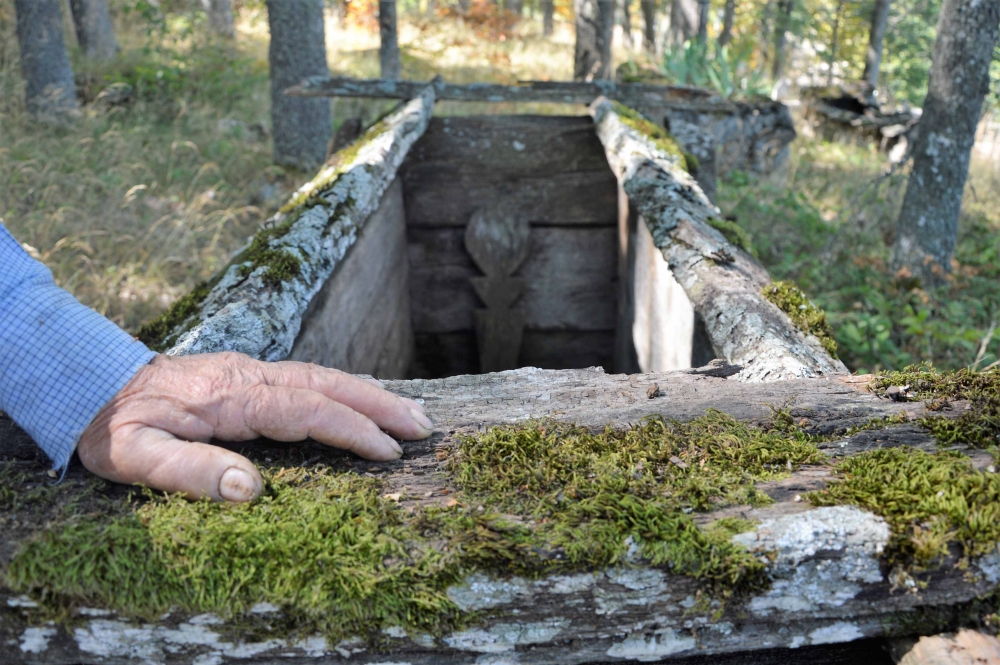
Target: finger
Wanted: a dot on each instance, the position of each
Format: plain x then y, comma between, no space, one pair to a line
399,417
148,456
292,414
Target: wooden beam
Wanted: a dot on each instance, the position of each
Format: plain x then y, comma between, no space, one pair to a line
558,92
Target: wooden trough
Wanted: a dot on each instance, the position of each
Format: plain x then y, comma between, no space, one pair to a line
433,250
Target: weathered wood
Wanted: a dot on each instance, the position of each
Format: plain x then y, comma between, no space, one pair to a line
578,92
359,322
723,283
569,279
249,314
827,584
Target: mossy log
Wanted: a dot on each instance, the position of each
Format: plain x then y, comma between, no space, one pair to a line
724,283
827,581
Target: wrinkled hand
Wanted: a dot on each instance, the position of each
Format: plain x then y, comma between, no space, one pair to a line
155,432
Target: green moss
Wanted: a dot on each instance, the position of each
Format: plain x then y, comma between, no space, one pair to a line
338,558
734,233
159,333
930,500
659,136
979,426
691,162
809,318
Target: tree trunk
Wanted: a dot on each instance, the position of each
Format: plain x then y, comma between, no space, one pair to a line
388,50
50,91
703,7
94,31
727,22
784,15
873,57
959,80
548,12
626,25
833,43
220,17
594,27
765,33
515,7
683,21
648,8
301,127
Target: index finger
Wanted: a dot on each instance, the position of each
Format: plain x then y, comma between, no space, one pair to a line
400,417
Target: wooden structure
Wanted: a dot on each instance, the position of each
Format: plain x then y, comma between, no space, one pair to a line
421,252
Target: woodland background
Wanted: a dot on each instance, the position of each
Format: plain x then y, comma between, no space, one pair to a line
140,199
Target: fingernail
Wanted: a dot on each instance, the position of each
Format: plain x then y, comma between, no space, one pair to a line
393,444
422,420
413,404
237,485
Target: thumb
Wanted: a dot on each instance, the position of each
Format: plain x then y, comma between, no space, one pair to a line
159,460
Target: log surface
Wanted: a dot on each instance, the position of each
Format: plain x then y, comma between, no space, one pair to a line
828,585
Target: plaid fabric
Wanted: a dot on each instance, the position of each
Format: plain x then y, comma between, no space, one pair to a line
60,362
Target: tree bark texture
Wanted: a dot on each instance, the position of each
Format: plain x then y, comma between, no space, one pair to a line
220,17
683,21
548,17
780,36
648,8
388,49
959,80
728,14
703,7
594,28
828,584
301,127
94,31
50,90
873,56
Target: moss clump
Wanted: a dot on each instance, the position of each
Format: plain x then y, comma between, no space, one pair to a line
930,500
979,426
659,136
159,333
809,318
734,233
281,264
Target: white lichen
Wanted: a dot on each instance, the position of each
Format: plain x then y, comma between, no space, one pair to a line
649,648
36,639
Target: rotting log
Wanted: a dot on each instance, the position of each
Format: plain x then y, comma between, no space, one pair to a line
256,307
723,283
828,584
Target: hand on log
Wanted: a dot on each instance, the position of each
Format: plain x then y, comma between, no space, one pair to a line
156,431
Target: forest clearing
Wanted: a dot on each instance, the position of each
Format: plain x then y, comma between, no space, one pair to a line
673,337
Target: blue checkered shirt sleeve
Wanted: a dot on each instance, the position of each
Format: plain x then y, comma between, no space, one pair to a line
60,361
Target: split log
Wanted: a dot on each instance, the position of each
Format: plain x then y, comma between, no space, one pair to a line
724,284
256,309
827,583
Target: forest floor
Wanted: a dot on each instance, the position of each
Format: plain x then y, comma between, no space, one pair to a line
134,204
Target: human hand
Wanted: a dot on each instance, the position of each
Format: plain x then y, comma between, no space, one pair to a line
155,432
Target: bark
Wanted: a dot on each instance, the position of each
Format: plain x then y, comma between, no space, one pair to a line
594,28
827,584
723,284
703,7
388,50
833,43
780,37
959,80
515,7
729,13
246,314
683,22
648,8
220,17
873,56
301,127
626,25
765,32
50,91
548,16
94,31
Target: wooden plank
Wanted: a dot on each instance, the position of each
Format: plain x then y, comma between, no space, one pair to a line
571,277
565,92
360,321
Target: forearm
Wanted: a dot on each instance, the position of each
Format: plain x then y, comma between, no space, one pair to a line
60,361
